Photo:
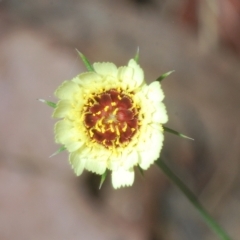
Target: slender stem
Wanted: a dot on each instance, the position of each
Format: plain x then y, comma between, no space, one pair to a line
192,198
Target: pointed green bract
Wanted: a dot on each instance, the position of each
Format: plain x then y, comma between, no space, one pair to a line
136,58
164,76
86,62
176,133
103,178
61,149
140,170
51,104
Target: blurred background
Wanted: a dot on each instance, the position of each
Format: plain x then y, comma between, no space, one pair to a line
40,197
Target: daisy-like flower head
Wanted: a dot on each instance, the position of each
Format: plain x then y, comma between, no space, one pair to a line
111,119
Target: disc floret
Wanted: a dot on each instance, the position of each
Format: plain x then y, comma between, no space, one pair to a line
111,118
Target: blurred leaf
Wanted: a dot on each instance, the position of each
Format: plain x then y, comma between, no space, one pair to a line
193,199
86,62
164,76
51,104
176,133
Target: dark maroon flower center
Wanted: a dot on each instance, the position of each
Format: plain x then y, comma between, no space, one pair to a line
111,118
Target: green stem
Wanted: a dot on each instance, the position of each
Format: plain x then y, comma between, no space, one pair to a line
192,198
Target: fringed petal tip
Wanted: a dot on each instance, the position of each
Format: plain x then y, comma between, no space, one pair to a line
122,178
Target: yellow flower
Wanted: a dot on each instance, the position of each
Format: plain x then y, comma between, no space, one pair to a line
111,120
